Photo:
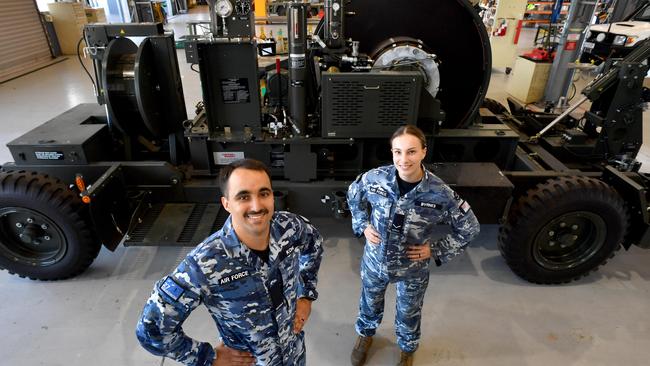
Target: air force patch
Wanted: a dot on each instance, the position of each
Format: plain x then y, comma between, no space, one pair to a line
237,276
172,289
378,190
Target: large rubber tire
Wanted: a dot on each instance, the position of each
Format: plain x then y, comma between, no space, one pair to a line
44,230
563,229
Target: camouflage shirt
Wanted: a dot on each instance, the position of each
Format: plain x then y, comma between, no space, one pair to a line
234,284
374,199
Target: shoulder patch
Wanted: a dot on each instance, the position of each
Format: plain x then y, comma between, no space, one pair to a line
464,206
172,289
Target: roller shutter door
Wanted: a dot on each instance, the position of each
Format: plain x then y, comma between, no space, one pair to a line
23,43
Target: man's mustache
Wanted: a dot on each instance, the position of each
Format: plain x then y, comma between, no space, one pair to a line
260,212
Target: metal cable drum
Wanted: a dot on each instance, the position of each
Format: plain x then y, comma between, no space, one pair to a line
131,89
148,90
449,28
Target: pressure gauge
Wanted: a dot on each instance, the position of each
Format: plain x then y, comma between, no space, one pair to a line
223,8
243,7
336,6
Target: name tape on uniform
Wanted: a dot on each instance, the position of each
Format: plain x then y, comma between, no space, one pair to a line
286,251
429,205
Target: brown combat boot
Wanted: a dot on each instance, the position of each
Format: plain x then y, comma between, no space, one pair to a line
406,359
360,350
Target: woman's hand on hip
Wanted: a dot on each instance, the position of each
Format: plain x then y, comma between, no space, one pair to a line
418,252
372,235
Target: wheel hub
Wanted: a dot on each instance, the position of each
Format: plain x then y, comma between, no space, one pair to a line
569,240
30,238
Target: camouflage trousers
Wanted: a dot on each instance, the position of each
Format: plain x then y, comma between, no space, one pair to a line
301,351
410,296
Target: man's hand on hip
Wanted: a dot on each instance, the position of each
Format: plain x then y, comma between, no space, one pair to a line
227,356
303,309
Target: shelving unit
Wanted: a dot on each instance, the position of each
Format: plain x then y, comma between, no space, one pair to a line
603,11
501,19
539,12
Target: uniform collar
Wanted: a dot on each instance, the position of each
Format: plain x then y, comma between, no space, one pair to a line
236,248
427,179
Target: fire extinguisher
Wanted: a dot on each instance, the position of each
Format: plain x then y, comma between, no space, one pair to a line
501,30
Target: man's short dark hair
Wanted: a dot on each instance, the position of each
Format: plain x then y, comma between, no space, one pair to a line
251,164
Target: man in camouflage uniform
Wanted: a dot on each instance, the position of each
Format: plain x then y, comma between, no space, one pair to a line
256,276
399,245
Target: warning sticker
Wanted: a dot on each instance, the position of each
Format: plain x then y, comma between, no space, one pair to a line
227,157
297,60
49,155
235,91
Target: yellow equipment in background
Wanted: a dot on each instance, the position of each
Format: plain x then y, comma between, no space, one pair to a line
260,8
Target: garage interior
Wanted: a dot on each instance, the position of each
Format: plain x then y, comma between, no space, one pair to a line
476,310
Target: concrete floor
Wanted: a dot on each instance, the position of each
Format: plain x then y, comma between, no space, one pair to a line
477,312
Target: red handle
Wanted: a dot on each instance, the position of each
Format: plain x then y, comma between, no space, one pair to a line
517,32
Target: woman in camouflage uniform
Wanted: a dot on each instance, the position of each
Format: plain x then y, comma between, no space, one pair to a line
396,207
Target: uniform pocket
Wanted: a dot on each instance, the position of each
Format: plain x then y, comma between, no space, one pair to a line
427,215
420,224
239,295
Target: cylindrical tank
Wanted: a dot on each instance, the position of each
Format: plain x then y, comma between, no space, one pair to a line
297,19
451,29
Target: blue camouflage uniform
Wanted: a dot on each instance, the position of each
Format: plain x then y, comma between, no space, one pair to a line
402,222
234,284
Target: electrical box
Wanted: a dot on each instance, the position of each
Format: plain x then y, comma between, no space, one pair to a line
77,137
230,86
369,104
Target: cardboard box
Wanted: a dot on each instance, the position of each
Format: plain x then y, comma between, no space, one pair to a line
69,20
95,15
528,80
